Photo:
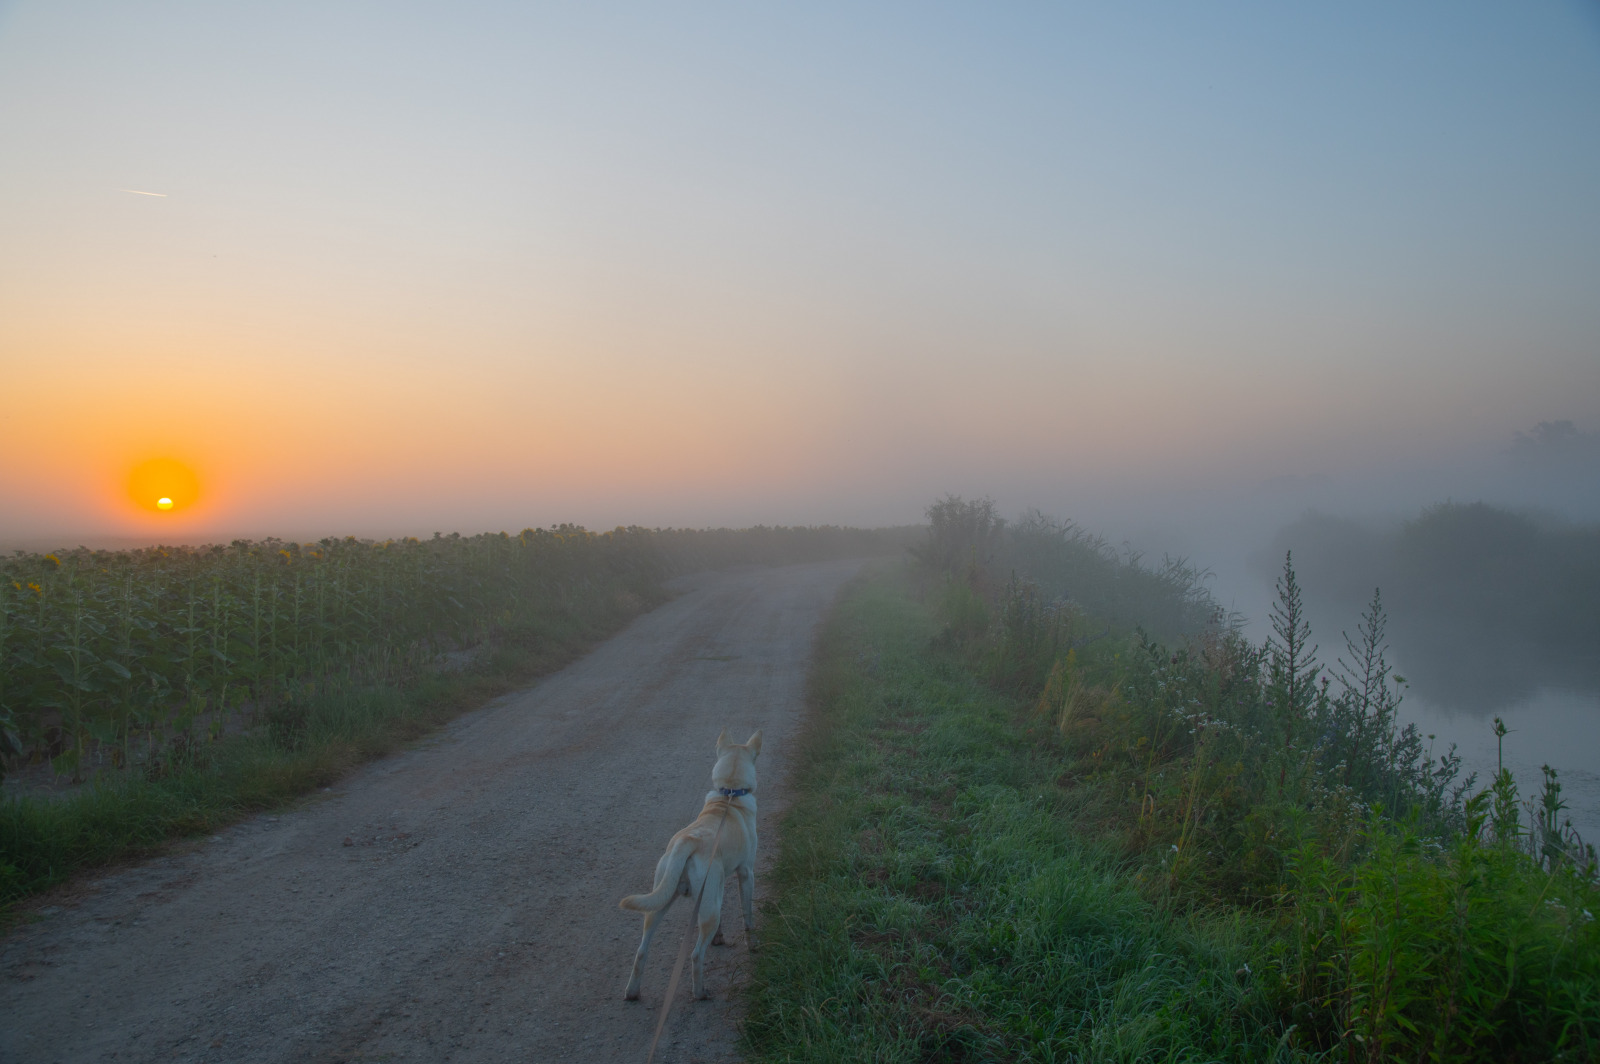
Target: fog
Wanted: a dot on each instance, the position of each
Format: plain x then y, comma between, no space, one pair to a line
1181,276
1489,569
411,270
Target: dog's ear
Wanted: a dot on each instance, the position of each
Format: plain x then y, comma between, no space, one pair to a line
722,741
755,744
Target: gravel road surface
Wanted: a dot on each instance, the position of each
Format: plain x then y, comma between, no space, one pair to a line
456,902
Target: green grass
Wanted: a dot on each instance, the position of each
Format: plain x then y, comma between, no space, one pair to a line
998,853
937,897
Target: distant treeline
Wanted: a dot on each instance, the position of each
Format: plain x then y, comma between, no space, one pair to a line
693,549
1466,583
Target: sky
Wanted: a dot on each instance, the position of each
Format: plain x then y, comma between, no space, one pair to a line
385,269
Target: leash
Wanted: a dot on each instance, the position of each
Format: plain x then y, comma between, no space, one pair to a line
694,925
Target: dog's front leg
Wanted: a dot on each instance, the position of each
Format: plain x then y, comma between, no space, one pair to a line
709,923
747,895
709,918
632,993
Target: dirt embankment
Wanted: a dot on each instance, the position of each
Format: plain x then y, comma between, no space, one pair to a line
458,901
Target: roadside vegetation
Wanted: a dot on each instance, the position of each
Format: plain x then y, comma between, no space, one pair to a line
1026,830
160,692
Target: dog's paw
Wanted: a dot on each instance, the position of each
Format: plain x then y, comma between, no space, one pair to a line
718,940
752,944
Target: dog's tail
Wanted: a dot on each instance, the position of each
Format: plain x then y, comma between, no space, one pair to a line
667,883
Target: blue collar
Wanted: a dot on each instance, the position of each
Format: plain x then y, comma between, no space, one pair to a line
728,793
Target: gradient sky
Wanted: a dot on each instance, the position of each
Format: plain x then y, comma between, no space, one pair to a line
484,266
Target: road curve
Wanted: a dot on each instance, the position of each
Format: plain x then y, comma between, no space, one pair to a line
457,901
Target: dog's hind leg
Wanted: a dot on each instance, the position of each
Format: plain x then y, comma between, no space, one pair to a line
650,919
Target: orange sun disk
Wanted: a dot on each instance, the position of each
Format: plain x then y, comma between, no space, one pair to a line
163,485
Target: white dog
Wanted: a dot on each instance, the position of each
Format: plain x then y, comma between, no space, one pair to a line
726,827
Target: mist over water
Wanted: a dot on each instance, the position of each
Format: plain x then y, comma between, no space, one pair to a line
1493,607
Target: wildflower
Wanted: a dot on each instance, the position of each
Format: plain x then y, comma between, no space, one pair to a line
35,588
52,558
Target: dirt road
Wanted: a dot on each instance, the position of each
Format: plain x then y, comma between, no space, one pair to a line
457,902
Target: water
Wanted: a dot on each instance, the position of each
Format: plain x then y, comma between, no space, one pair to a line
1459,680
1549,699
1555,727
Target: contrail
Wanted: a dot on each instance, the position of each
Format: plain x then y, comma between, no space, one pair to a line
138,192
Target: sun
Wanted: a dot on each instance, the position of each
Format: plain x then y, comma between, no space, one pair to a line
163,485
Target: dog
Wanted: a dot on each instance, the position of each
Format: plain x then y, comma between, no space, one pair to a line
727,823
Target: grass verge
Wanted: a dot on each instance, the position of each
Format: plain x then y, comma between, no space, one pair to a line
936,899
